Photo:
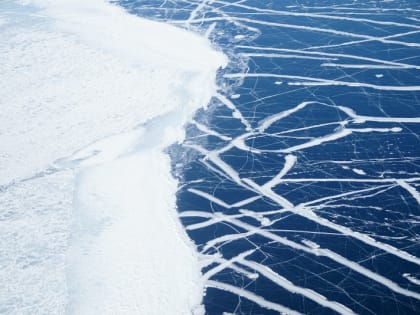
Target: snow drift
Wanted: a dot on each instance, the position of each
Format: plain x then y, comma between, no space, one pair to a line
89,98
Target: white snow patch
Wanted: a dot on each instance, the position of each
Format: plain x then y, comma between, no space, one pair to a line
239,37
128,256
91,95
235,96
359,171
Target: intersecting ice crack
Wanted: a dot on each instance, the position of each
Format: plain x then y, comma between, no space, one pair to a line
300,180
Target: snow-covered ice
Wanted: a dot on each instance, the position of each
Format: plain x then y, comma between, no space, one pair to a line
89,97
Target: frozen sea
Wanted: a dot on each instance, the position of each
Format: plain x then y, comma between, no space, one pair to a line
297,171
299,183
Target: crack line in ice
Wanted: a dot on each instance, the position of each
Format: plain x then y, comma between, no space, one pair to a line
364,38
316,15
252,297
310,81
334,56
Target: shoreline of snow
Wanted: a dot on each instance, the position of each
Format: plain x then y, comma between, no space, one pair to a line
100,94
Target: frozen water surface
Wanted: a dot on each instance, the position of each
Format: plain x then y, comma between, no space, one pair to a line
300,181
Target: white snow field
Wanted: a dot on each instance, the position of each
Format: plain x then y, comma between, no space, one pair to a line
89,98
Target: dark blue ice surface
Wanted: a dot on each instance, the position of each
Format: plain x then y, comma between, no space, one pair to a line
304,195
